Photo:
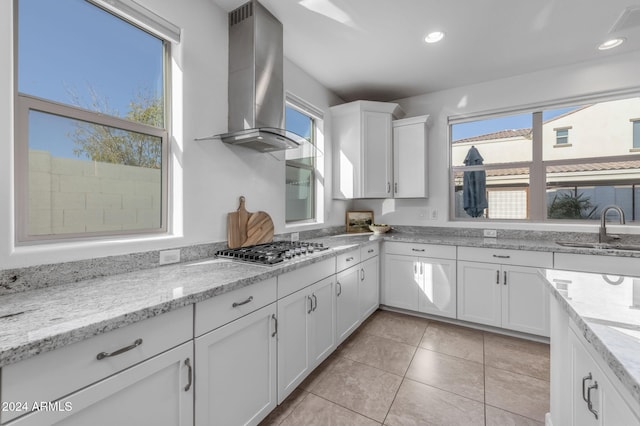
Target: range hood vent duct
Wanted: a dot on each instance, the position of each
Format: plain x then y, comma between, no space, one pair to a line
256,89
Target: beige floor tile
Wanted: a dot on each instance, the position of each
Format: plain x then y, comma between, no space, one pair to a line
399,327
454,340
366,390
316,375
314,410
419,404
498,417
517,355
517,393
378,352
283,410
457,375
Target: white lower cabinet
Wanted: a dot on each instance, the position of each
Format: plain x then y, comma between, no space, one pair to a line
503,295
347,302
158,391
421,277
236,370
369,291
306,333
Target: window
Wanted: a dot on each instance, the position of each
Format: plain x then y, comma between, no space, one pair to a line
521,176
562,136
636,134
91,121
301,166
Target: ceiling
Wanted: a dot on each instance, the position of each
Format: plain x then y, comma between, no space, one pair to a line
374,49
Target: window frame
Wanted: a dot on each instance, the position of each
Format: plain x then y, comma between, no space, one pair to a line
24,103
635,134
316,117
537,203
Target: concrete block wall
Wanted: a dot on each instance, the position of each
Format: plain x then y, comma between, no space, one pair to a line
68,195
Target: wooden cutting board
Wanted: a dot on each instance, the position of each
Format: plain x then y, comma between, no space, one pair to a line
247,229
259,229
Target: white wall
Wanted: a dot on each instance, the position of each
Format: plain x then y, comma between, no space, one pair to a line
208,176
612,73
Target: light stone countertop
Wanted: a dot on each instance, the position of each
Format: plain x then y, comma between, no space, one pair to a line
607,310
37,321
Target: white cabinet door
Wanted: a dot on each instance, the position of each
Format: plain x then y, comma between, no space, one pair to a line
437,287
410,158
347,304
158,391
479,293
322,335
293,341
369,291
402,281
376,172
525,300
236,371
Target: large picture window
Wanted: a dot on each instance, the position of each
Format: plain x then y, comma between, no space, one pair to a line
301,167
91,122
519,174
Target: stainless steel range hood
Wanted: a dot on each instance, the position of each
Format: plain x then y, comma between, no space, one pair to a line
256,92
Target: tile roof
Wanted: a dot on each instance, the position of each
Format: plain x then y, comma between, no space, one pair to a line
502,134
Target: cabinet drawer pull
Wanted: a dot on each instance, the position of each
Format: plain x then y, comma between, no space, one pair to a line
187,362
370,251
589,402
584,381
103,355
500,256
244,302
415,249
348,259
275,323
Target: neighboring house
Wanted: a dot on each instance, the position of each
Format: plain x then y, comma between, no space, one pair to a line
592,150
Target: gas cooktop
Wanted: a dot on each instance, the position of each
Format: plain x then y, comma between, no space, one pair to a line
272,253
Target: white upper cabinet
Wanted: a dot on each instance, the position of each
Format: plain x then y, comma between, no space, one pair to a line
410,158
362,134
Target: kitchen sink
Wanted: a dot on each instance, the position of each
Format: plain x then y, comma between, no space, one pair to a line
600,246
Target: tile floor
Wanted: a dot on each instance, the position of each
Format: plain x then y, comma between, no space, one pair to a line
402,370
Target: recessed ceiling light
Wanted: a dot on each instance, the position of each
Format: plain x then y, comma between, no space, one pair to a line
434,37
610,44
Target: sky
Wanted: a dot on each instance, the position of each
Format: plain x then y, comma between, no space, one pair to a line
111,58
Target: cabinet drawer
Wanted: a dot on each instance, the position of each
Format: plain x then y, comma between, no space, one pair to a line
368,251
347,260
54,374
600,264
538,259
300,278
424,250
217,311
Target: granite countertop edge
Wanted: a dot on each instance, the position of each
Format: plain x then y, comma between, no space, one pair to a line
593,337
14,349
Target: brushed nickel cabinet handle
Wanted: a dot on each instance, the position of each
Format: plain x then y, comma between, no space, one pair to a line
388,187
419,250
187,362
315,302
396,187
499,256
505,278
361,274
275,321
497,277
310,304
584,381
370,251
244,302
103,355
349,259
339,287
589,402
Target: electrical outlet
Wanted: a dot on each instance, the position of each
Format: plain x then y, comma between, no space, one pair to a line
295,236
490,233
434,214
169,256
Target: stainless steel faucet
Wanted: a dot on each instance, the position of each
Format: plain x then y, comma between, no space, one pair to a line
603,237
